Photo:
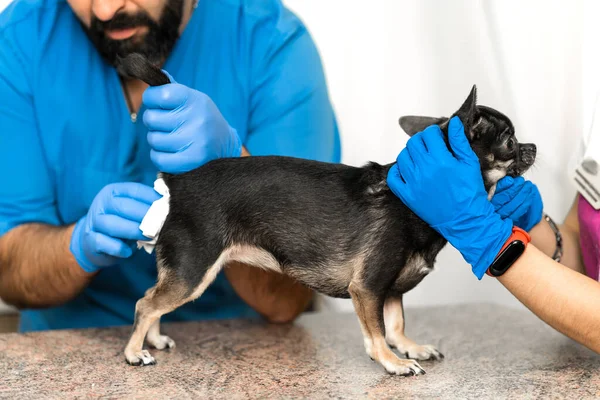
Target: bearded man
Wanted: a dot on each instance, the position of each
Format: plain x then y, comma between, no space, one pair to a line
80,145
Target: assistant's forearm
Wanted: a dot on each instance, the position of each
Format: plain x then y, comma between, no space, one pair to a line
36,267
564,299
275,296
544,239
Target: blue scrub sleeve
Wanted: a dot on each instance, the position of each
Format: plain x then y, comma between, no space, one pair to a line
290,110
26,193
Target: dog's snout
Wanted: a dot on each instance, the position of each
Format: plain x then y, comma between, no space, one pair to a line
527,153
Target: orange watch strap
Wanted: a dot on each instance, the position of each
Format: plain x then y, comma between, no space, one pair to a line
517,234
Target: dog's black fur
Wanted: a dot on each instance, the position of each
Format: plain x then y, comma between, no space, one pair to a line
137,65
337,229
307,214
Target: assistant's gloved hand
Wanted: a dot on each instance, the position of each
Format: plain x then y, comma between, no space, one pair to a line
519,200
110,228
448,193
186,129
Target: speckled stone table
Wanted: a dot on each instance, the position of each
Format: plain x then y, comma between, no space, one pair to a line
491,352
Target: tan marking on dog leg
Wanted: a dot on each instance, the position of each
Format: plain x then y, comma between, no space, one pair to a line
145,315
367,309
156,340
394,333
254,256
210,275
166,296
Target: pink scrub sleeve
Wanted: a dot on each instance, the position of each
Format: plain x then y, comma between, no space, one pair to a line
589,236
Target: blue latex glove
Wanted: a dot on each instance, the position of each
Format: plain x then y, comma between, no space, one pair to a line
110,228
448,193
519,200
186,129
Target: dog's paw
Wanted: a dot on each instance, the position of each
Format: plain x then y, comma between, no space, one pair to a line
403,367
422,353
161,342
142,358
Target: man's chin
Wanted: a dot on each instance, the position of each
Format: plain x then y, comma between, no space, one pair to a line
110,49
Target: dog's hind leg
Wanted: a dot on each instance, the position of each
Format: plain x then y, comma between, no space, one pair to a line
156,340
393,314
159,300
369,308
169,293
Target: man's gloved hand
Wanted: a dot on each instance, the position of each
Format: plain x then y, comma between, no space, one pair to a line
448,193
519,200
109,230
186,129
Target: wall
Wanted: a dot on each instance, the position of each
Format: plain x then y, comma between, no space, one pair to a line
396,57
387,58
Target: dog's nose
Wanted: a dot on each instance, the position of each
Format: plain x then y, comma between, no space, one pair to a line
528,148
528,152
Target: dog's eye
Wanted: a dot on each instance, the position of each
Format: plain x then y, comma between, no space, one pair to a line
511,143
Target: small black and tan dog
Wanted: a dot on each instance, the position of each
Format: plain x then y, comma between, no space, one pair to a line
337,229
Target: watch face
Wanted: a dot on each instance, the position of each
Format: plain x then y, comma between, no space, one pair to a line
510,254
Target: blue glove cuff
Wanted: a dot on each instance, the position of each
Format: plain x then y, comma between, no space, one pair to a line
480,241
537,217
496,242
236,144
76,247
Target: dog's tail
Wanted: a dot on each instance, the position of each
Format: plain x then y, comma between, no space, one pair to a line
137,66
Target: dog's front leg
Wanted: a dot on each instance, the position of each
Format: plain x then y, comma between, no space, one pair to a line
393,312
369,308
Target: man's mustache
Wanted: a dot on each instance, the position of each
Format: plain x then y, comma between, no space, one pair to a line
121,21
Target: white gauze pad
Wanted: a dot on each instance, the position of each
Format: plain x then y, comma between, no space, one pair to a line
155,217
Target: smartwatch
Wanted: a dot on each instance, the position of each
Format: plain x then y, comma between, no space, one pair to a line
510,252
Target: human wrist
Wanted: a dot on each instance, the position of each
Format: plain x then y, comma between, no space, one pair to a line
480,240
76,247
76,270
536,219
495,244
533,217
549,239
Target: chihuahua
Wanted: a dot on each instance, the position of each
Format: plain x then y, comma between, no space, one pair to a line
335,228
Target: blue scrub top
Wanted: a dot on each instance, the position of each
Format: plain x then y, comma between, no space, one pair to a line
65,131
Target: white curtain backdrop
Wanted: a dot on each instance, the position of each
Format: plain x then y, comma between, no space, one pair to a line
388,58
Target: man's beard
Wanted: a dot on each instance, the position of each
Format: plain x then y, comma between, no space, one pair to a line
155,44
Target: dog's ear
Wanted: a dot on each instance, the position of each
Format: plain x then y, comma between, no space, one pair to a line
413,124
139,67
468,112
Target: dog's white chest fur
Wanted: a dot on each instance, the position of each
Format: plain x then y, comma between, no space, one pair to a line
419,265
415,269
